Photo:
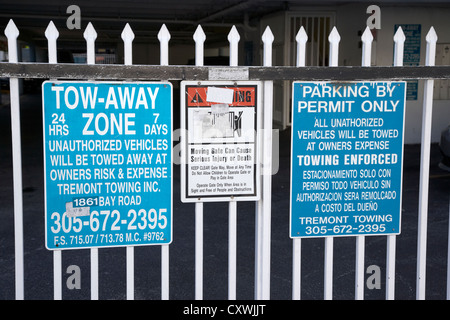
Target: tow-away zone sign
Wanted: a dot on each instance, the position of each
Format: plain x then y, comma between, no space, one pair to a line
107,163
220,148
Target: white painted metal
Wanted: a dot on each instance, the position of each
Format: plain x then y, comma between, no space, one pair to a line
12,33
301,39
399,41
164,37
94,273
130,272
258,237
165,272
296,268
267,39
263,206
431,39
198,250
199,38
128,37
258,242
51,33
233,39
57,275
90,35
366,39
390,267
232,248
334,38
328,269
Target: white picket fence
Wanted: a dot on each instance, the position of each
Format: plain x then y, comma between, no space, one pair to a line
263,207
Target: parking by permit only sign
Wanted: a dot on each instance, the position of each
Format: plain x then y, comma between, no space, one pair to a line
346,158
219,152
108,163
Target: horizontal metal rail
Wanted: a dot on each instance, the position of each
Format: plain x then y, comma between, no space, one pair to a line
154,72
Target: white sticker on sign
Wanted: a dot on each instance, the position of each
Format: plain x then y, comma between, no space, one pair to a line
219,95
77,211
220,108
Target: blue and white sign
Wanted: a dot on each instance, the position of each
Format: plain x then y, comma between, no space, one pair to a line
346,158
108,163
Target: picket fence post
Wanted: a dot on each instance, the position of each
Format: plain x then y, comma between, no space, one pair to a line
12,34
366,39
127,36
264,205
52,34
301,39
399,40
164,38
334,39
233,39
90,35
199,39
431,40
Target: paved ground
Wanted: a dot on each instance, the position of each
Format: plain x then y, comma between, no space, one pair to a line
39,261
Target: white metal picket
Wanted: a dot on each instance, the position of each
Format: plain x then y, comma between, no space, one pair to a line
334,39
52,34
232,249
90,35
264,210
127,36
366,39
431,39
164,38
399,40
263,206
233,39
12,33
301,39
199,38
198,250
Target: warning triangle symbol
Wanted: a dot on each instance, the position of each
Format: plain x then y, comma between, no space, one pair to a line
197,98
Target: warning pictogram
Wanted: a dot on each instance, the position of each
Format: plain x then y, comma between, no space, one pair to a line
197,98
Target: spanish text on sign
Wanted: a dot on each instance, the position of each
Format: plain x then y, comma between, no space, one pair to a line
347,151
